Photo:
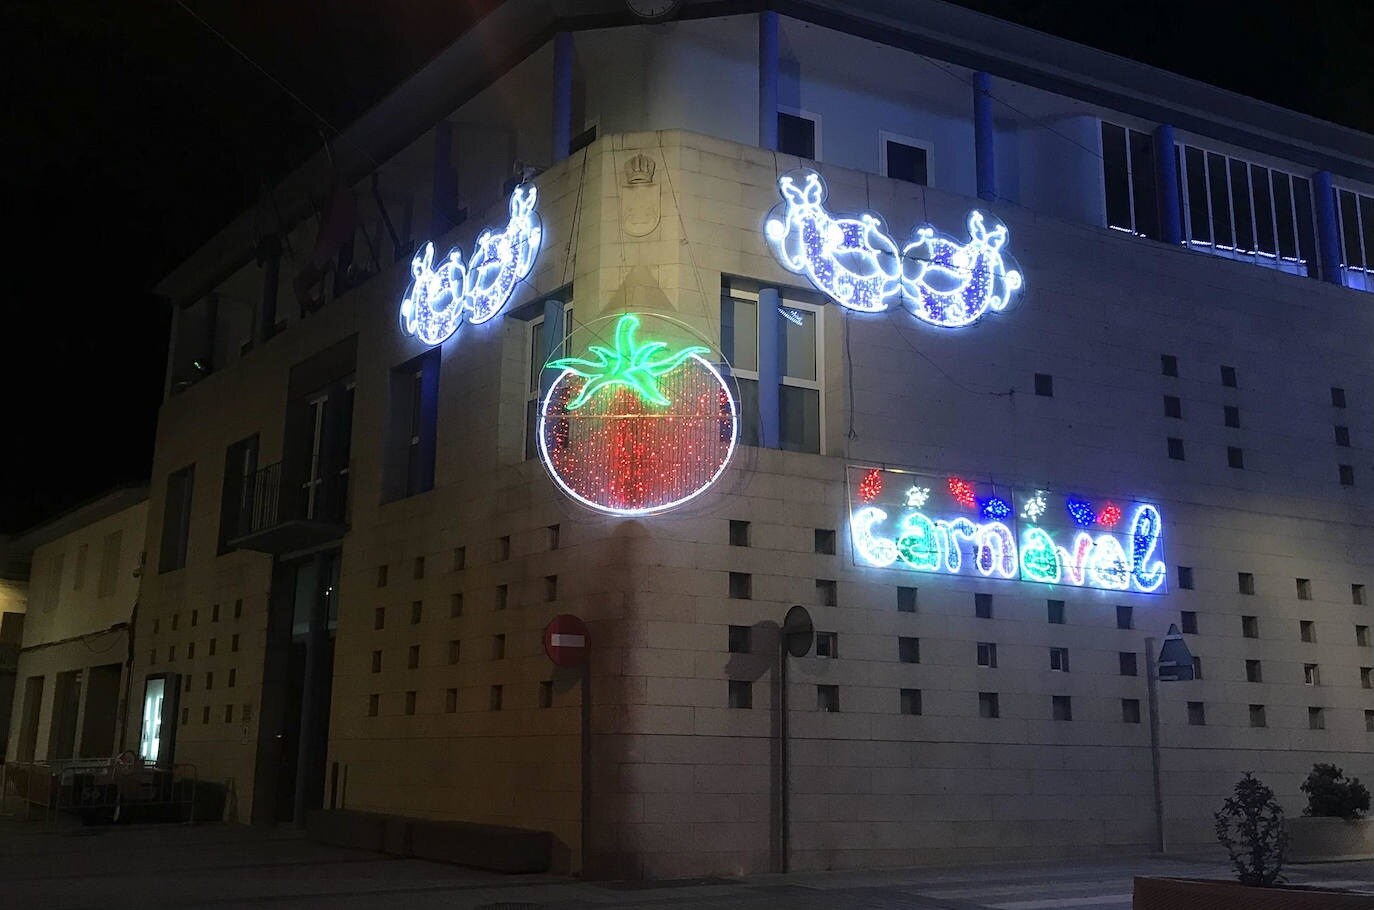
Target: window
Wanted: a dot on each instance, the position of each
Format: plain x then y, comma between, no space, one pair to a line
987,705
987,654
1245,582
502,597
236,495
801,396
1367,677
176,619
911,701
381,576
1362,636
1185,578
827,645
379,618
1059,659
494,698
418,569
1355,214
1337,397
1239,210
982,606
1061,707
1044,385
450,701
213,641
1342,436
1235,457
739,533
582,139
376,661
455,650
741,639
906,600
1173,406
83,553
205,714
828,699
1127,660
373,702
1357,594
214,613
825,542
238,609
741,585
1253,672
1249,626
1130,710
109,564
210,680
536,380
1230,415
1197,716
554,532
1055,611
1307,630
498,647
1369,721
1125,617
417,610
799,133
741,693
413,657
1346,473
503,547
1311,675
1257,718
410,702
904,158
413,414
460,558
1175,448
1197,667
1228,377
1168,365
550,588
1188,620
1316,718
195,618
234,643
827,592
909,650
176,519
1304,588
455,605
1128,173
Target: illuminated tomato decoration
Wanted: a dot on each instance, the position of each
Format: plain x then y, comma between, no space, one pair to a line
638,428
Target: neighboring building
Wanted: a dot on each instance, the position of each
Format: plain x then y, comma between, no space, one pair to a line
357,545
14,596
83,569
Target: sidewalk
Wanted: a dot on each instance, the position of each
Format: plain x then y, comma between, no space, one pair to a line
223,866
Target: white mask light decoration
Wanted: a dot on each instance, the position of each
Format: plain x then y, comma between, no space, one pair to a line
944,282
440,299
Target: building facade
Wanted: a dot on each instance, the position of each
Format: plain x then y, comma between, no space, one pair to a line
1007,356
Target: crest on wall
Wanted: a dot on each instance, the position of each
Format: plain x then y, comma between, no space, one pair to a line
640,206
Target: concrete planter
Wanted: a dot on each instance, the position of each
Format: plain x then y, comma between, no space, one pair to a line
1315,840
1175,893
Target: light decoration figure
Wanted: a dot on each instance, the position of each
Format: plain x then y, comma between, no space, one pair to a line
637,427
934,532
854,261
442,297
1109,516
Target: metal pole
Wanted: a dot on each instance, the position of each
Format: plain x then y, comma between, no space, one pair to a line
782,758
586,832
1152,688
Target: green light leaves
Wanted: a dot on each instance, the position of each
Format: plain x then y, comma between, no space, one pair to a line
630,364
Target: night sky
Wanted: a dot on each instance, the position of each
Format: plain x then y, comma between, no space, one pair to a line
133,133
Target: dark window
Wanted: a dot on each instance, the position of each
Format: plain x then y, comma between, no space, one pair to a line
796,135
413,657
987,654
381,576
1168,364
498,647
1253,672
827,645
1116,177
1228,376
1337,397
1367,677
455,650
1230,415
982,606
1044,385
825,541
1197,667
828,698
1173,406
373,701
1362,636
450,701
546,693
1061,707
460,558
1342,436
1189,622
1185,577
1175,448
494,698
1235,457
739,533
1125,617
740,639
1347,475
911,701
1056,612
1304,588
1143,184
411,427
1316,718
1197,716
176,519
554,533
1249,626
1307,630
582,139
379,618
987,705
909,650
1257,718
1245,582
1240,205
906,600
236,495
503,547
1127,660
1369,721
906,162
1130,710
455,605
418,569
1357,594
827,592
741,585
417,611
1059,659
550,588
1311,675
740,693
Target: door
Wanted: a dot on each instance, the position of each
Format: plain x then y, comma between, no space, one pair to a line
28,724
66,706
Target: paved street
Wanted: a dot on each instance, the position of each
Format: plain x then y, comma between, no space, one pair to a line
64,868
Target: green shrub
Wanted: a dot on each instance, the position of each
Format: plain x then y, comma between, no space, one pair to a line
1250,827
1330,794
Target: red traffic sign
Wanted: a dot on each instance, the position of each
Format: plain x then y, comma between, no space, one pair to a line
565,641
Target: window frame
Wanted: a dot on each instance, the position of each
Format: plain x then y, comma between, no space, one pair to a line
925,145
534,328
804,114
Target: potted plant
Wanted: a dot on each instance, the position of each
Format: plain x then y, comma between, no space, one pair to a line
1333,826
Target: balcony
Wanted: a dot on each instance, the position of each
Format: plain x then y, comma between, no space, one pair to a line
284,511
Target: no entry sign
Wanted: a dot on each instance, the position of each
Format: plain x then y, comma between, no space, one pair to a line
565,641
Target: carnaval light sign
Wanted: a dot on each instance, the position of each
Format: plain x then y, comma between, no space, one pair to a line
441,297
639,427
855,262
956,526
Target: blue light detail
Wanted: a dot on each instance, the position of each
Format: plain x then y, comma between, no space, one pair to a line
995,508
1081,512
792,316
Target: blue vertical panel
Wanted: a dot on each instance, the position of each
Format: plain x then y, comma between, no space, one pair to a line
1166,186
444,186
562,94
770,368
1328,232
984,141
768,80
553,343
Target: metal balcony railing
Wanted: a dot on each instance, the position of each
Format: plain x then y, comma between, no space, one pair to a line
284,509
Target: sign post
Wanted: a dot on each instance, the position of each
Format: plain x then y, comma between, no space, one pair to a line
565,642
795,638
1174,664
